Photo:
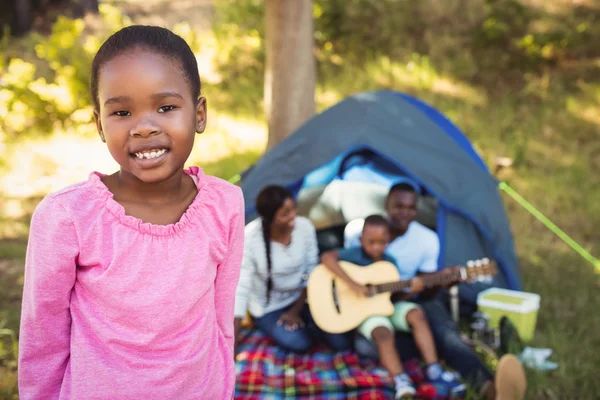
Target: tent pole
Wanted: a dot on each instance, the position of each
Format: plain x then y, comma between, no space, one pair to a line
234,179
549,224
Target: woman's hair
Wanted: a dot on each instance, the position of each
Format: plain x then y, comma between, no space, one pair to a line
269,200
151,38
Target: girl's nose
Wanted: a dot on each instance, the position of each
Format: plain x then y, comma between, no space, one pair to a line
144,128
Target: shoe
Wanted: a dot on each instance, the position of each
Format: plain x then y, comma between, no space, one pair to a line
448,386
405,392
510,382
404,387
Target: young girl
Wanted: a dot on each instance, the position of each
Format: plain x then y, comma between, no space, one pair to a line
130,278
280,251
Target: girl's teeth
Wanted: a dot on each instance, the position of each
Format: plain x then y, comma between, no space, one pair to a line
151,154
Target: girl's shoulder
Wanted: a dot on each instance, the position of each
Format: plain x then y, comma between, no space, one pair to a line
73,204
77,195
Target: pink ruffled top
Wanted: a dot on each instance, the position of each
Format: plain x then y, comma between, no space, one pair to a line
116,308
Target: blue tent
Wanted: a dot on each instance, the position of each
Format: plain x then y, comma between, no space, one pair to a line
341,163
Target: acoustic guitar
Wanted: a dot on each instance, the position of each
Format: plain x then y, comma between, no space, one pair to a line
336,308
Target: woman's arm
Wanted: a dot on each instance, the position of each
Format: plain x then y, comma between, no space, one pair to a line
50,272
299,304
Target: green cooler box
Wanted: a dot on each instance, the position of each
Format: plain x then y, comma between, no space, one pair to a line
520,308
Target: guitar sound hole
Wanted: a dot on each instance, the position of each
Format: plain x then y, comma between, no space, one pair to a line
335,298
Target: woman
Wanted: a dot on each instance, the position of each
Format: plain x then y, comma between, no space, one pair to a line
280,251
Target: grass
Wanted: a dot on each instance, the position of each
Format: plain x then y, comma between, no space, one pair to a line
11,282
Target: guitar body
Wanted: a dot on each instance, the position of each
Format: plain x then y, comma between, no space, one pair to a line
336,308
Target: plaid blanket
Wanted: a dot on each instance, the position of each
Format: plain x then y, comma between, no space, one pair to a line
265,371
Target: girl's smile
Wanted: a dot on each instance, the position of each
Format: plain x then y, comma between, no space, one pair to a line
149,154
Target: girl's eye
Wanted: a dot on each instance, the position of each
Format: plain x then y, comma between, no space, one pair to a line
122,113
166,109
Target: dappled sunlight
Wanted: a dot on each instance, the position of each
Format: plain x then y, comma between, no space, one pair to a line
586,111
325,98
545,150
167,13
420,74
459,90
206,59
560,6
16,229
588,114
226,136
43,165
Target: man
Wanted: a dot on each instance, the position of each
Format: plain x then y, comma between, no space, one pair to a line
416,248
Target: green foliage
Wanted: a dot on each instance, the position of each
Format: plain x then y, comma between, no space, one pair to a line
12,351
487,41
50,91
239,33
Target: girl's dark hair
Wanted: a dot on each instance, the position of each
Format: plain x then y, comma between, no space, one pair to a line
152,38
269,200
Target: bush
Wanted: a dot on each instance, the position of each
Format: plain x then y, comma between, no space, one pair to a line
50,90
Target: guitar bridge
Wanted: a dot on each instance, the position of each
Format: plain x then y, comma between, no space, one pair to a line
334,295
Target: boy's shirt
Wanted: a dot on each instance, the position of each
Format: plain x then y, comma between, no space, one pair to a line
357,255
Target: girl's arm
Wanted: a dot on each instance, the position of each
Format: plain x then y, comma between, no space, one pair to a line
228,272
50,271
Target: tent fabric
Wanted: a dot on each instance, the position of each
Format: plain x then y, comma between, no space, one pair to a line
384,136
447,126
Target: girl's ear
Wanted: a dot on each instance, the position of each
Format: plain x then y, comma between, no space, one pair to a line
201,115
99,125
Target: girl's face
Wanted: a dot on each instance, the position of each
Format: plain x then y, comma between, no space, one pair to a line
286,214
147,115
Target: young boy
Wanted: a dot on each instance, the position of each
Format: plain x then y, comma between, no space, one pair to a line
408,317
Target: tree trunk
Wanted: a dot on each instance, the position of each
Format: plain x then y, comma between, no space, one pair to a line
23,16
81,7
290,73
90,5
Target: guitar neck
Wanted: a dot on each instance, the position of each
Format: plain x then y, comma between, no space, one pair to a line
428,282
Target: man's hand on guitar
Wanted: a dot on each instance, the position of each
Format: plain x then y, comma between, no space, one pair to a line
291,321
416,285
450,271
